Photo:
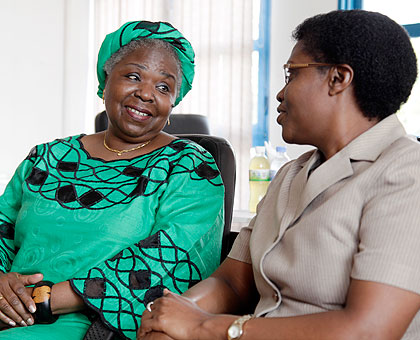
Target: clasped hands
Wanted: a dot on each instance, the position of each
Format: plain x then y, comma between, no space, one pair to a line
176,317
16,304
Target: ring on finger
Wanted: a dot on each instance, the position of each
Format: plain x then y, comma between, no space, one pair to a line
1,297
149,306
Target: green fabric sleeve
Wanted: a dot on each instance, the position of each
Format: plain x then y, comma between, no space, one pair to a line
183,248
10,203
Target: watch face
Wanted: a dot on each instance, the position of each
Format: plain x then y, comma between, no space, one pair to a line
234,331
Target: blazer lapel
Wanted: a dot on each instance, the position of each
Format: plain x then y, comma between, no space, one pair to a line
327,174
297,189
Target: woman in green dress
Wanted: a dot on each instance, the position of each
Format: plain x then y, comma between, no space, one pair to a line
102,223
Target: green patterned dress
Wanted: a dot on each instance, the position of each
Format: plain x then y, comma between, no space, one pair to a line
120,230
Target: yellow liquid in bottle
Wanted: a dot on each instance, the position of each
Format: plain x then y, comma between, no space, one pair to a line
259,179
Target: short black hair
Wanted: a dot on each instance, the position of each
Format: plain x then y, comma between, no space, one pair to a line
376,47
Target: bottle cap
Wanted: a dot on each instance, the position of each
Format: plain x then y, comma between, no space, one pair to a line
280,148
260,149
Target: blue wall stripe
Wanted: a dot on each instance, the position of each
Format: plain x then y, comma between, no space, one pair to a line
350,4
262,45
413,30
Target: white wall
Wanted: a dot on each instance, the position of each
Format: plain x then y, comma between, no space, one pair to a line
42,88
43,82
285,16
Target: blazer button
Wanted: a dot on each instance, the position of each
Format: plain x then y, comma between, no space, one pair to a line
276,297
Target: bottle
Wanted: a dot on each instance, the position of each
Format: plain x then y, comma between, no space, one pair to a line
278,161
259,177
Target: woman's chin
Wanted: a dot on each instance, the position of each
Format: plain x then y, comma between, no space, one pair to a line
286,138
287,135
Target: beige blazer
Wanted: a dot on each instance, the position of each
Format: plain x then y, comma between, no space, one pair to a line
356,215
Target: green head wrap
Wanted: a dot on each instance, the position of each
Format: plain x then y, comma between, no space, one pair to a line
151,30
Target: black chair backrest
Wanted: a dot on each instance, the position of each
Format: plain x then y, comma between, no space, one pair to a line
222,152
101,121
180,123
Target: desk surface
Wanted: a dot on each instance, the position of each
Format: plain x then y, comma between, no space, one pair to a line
241,218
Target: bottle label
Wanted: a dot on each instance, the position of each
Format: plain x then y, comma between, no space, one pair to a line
261,175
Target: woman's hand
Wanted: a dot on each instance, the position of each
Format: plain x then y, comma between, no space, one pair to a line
179,318
156,336
202,308
16,304
173,315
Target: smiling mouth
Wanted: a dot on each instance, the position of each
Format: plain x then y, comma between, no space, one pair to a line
138,113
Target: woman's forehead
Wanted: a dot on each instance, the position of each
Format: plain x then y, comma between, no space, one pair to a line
153,57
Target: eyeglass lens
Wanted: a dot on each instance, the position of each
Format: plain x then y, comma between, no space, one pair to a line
286,75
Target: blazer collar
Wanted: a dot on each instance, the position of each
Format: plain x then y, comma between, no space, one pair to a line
366,147
369,145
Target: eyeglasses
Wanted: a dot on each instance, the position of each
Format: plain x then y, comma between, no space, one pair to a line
288,67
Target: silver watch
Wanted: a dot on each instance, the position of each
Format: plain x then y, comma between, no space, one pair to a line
235,330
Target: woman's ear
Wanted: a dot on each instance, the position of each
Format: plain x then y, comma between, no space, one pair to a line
103,92
340,78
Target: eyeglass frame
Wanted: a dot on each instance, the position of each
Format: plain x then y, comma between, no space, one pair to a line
287,67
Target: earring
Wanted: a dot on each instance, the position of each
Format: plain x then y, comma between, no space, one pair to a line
169,121
103,97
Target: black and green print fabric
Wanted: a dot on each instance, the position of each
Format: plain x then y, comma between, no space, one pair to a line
120,231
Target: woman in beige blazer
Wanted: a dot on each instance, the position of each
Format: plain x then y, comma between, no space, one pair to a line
334,250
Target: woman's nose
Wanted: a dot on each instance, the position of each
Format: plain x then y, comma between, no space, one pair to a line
144,92
280,95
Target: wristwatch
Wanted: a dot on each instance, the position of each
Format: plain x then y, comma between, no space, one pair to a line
235,330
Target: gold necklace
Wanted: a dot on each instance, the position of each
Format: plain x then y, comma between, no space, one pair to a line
120,152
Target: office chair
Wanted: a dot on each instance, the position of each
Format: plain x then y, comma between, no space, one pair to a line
181,123
222,152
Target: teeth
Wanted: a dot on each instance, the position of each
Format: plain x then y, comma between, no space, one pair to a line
137,112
